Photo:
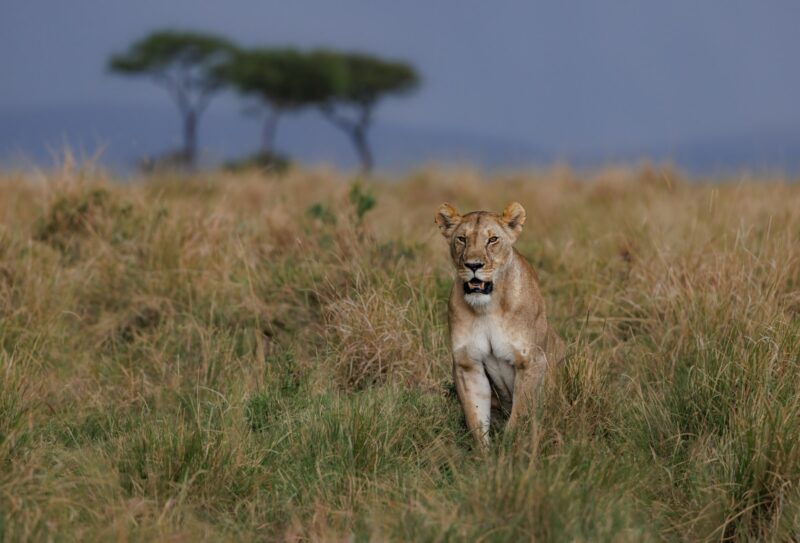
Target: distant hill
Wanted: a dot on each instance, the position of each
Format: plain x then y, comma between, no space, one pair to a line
125,135
769,150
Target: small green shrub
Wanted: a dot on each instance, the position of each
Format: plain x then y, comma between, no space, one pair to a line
321,212
361,199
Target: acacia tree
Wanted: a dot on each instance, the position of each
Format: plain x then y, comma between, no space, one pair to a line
185,64
282,79
356,83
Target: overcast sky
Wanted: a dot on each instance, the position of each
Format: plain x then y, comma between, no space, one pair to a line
562,74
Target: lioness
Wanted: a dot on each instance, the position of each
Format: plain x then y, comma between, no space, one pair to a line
498,328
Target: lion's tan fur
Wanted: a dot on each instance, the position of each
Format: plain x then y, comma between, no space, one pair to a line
501,341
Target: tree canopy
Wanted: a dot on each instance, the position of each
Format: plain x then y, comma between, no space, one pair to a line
364,79
175,58
286,78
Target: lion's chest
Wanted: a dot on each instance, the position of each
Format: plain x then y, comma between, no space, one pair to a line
486,337
490,344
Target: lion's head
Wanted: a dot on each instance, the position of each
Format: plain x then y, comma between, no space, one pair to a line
481,245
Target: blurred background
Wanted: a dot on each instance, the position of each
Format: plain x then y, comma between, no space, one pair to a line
710,86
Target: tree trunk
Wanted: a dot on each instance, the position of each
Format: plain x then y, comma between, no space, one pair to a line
359,137
356,130
190,137
268,132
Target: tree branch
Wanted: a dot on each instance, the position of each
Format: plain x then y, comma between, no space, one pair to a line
343,123
204,98
174,89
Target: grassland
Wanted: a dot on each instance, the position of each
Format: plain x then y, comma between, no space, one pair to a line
247,357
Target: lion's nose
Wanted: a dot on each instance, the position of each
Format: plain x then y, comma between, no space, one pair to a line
474,266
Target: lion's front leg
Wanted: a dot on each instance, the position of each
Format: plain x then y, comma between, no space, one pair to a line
529,373
474,393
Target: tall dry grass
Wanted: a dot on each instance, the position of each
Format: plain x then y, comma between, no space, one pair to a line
265,357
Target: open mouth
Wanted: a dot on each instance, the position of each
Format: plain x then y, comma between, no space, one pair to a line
476,286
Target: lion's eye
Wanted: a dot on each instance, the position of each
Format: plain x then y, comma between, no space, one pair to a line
492,239
462,239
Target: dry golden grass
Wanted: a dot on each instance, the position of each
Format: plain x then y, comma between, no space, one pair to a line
248,356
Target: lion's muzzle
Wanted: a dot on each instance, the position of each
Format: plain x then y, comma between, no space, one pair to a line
476,286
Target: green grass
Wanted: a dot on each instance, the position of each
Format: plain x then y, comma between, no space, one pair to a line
246,357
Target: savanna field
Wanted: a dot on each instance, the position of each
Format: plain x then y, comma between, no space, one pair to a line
264,357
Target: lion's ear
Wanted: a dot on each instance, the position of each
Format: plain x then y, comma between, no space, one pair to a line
448,219
513,218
